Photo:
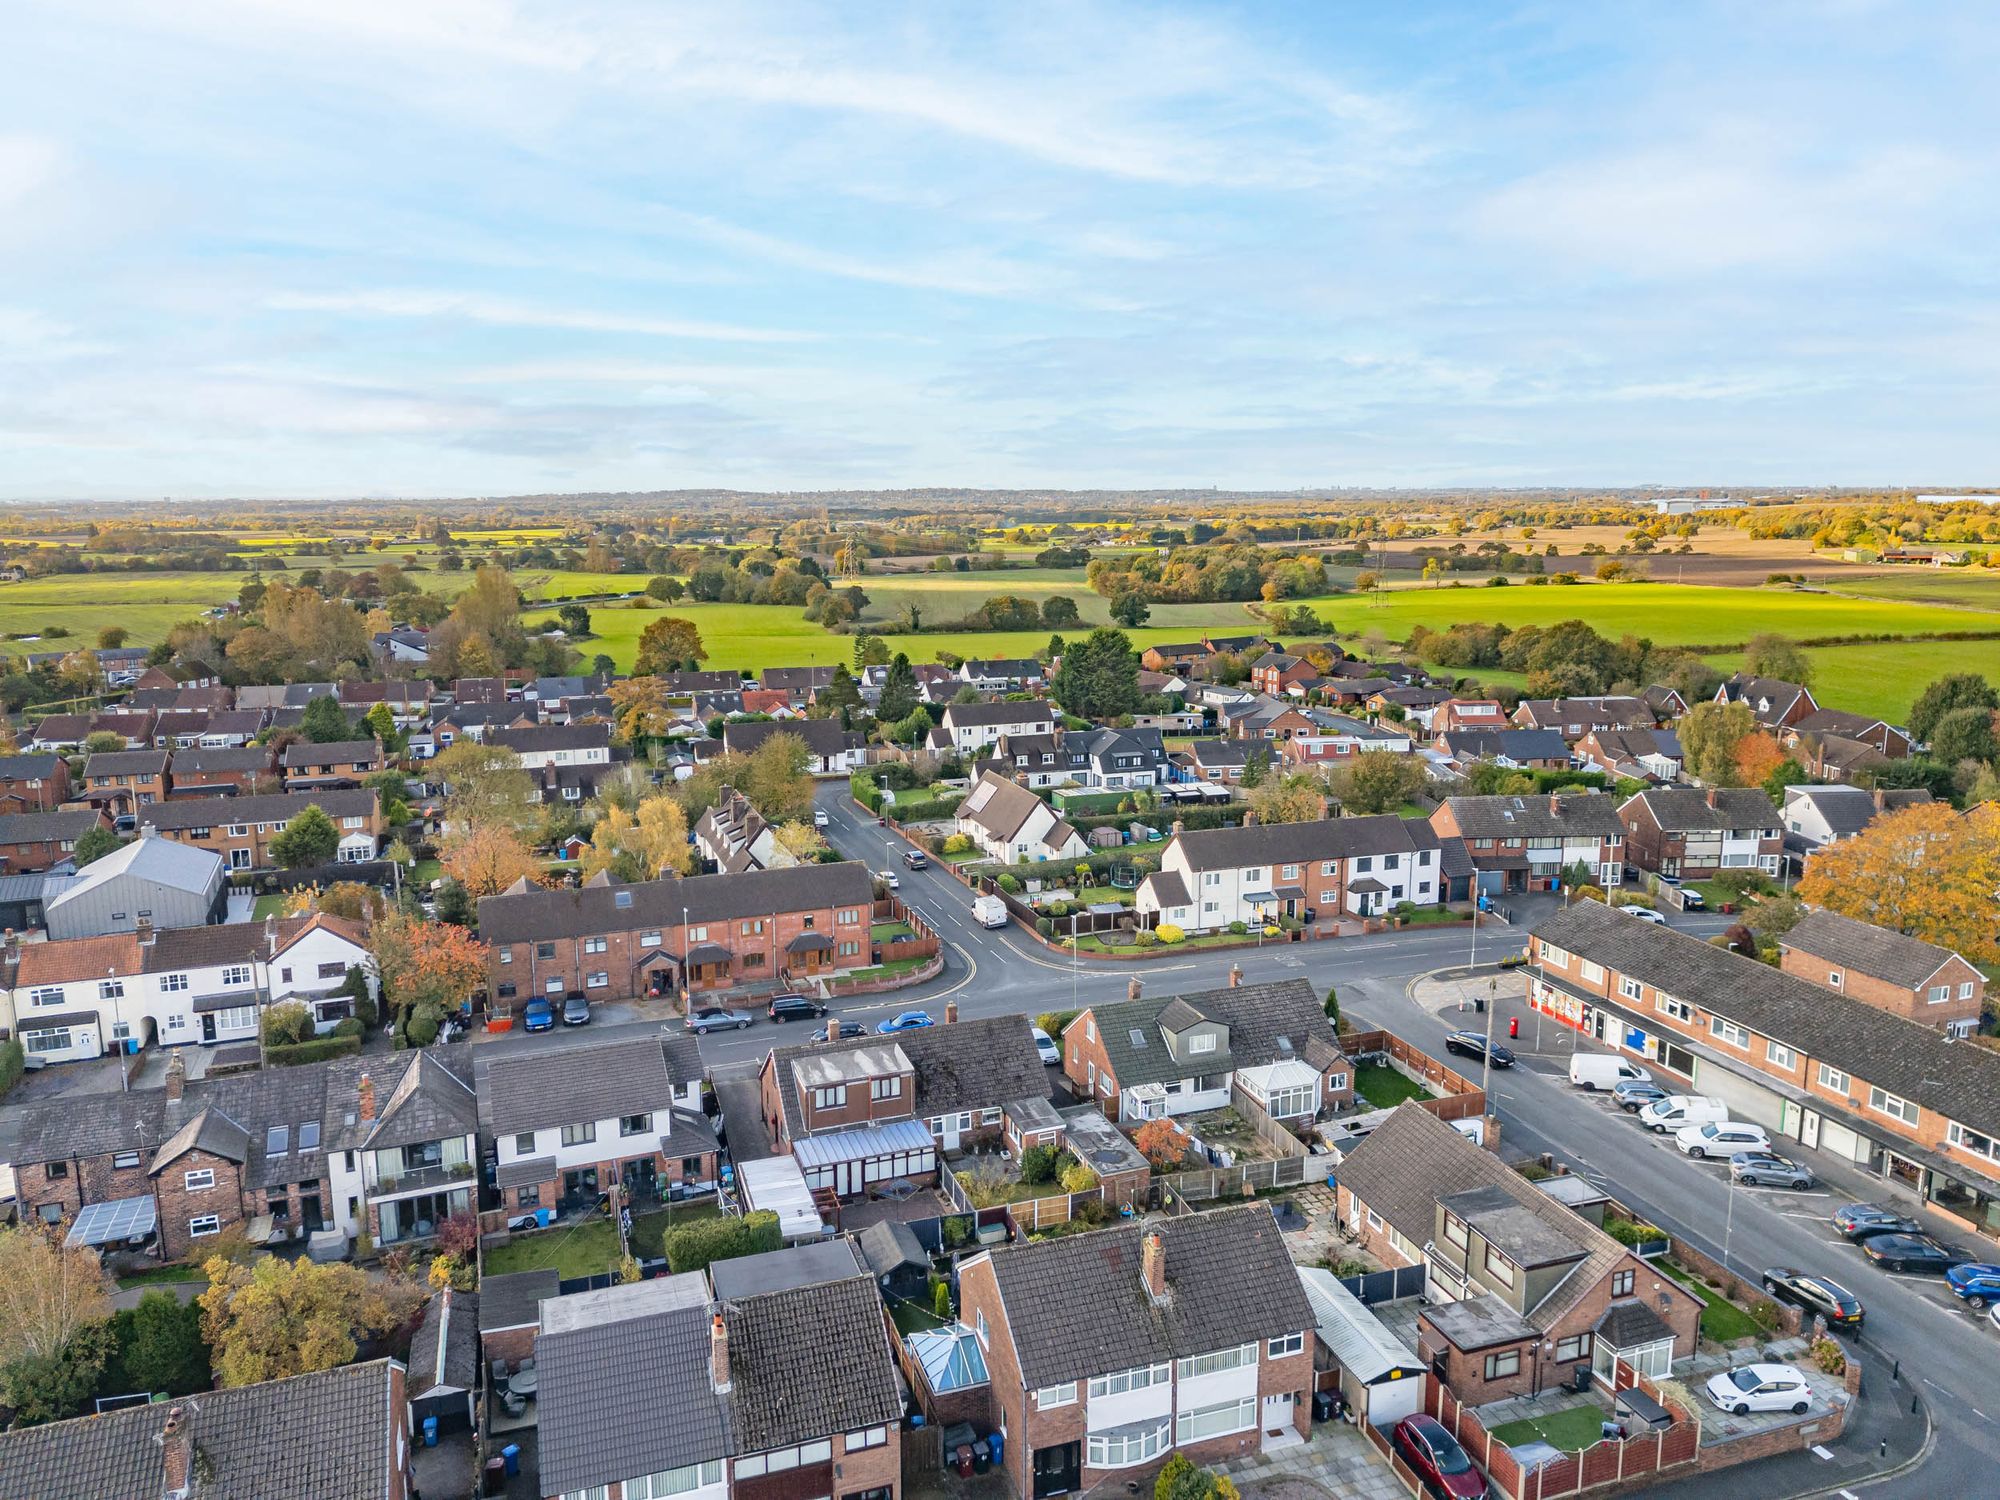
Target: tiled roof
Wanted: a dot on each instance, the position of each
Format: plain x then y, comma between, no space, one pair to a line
276,807
542,737
38,767
47,827
1303,843
126,763
1076,1306
1894,956
1688,809
822,736
535,1090
520,916
1872,1045
971,1064
808,1362
215,759
1593,815
980,715
444,1352
326,1435
1257,1015
172,950
330,752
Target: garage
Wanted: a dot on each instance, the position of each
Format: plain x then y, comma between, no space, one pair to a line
1378,1379
1746,1100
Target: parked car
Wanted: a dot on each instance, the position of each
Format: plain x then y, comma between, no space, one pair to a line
1045,1046
1859,1220
1816,1294
1595,1070
888,878
1760,1388
536,1015
715,1018
1768,1169
1725,1138
850,1029
820,819
1912,1252
1473,1044
1633,1096
1975,1283
1646,914
795,1008
1693,900
909,1020
576,1010
1434,1455
916,859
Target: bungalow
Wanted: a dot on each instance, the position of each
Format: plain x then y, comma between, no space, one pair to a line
973,726
1833,744
798,684
1695,833
1573,718
1903,975
1143,1058
1013,825
402,643
1221,761
1188,1335
1468,713
830,750
1211,878
58,732
1522,1293
1003,675
1517,749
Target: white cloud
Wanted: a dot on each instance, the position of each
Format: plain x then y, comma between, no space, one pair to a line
503,312
28,163
970,273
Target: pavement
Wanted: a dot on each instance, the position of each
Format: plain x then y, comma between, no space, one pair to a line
1336,1459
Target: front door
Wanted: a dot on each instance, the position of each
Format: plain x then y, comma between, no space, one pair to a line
208,1026
1809,1129
1278,1413
1058,1470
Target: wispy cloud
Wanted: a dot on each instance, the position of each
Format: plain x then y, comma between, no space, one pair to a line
470,308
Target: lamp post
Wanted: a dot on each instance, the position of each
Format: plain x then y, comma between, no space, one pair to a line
1486,1063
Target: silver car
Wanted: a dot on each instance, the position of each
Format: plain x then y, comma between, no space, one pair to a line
701,1022
1768,1169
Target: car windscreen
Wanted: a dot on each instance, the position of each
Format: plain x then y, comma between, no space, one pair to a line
1451,1458
1744,1380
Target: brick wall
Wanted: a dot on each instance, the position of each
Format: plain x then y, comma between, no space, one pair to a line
1894,998
179,1203
36,1184
1027,1429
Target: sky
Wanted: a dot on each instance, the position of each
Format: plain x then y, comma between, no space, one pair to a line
474,247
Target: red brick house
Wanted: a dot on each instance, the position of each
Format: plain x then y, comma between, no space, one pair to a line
34,841
226,769
1109,1351
1695,833
337,763
1892,971
1521,1291
33,783
699,933
123,781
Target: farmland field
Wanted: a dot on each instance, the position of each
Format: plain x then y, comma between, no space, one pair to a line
1965,587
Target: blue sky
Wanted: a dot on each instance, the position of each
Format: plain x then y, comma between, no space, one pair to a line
461,247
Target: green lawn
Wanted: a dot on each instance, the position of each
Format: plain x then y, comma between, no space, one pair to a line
158,1275
882,932
1721,1320
1970,588
1885,679
1383,1087
270,904
910,1318
590,1247
1573,1429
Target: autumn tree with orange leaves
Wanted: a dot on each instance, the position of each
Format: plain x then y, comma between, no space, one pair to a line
1757,756
487,858
1928,871
639,708
427,970
1163,1143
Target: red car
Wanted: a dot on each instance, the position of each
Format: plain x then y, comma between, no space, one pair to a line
1436,1459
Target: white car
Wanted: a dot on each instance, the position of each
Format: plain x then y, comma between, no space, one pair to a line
1045,1046
889,879
1723,1138
1993,1316
1760,1388
1646,914
820,819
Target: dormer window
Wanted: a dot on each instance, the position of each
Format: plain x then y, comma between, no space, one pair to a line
1201,1042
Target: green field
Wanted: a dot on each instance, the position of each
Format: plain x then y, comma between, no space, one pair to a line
1964,587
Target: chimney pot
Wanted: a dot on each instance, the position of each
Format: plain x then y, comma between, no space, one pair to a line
1235,975
364,1094
176,1076
176,1456
1133,988
142,929
1250,818
1713,793
950,1011
1153,1266
718,1354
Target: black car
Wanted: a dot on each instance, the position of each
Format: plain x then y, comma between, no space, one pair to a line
576,1009
795,1008
1473,1044
916,859
1859,1220
1912,1252
1816,1294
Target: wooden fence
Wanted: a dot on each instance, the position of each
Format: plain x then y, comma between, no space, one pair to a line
1271,1134
1204,1184
1459,1098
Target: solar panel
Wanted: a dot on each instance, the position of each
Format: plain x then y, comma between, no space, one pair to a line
120,1219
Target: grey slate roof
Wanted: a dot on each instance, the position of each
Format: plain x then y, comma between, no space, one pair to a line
524,916
1303,843
888,1245
444,1352
545,737
1076,1307
211,1131
982,1063
980,715
813,1263
1515,744
515,1299
1686,809
1894,956
522,1090
126,763
274,807
822,737
1592,814
215,759
808,1362
326,1435
1849,809
30,767
1257,1015
625,1397
47,827
1873,1046
307,753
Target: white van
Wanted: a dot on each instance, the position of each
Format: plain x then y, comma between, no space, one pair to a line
1678,1110
989,911
1594,1070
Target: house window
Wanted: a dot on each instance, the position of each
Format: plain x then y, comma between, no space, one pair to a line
204,1224
1885,1103
1454,1229
1833,979
1622,1283
1972,1141
1573,1348
1729,1031
649,940
1631,989
1591,973
579,1135
545,950
597,980
1221,1359
1056,1395
1500,1366
674,1481
198,1181
277,1140
593,945
867,1437
1215,1421
1121,1450
236,974
51,994
111,989
309,1135
1781,1056
1501,1268
1680,1010
524,1143
1290,1343
1965,990
528,1197
1554,957
1201,1042
830,1098
885,1088
635,1125
979,1325
125,1159
1939,994
1118,1383
1833,1078
50,1039
330,971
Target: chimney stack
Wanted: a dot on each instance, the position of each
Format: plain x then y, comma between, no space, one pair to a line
833,1028
1713,792
1250,817
142,929
1133,988
176,1456
176,1076
1235,975
950,1011
1555,804
1153,1266
1881,806
13,939
1180,827
718,1355
364,1094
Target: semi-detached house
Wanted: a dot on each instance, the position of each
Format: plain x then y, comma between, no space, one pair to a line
972,726
1898,1098
241,829
1695,833
1526,843
613,941
1111,1350
1901,974
1332,867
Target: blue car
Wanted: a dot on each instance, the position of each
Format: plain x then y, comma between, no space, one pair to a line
909,1020
1975,1284
538,1017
